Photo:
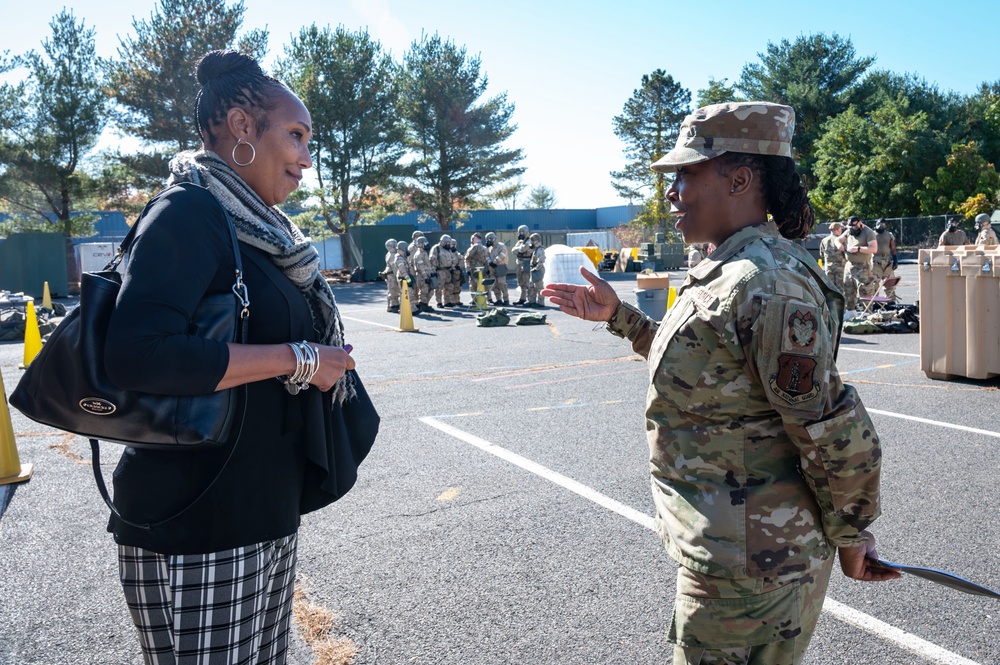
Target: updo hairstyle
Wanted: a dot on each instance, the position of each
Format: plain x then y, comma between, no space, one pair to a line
781,185
229,79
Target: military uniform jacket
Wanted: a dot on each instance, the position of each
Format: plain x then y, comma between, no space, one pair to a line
422,263
987,237
951,239
850,241
884,251
830,252
402,267
522,251
476,256
761,458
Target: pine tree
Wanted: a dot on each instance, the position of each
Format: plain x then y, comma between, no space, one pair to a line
350,87
59,115
458,140
154,83
648,126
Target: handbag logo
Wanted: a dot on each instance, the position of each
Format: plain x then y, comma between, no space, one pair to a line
97,406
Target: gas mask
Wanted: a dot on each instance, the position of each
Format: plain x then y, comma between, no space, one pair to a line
880,228
856,230
952,228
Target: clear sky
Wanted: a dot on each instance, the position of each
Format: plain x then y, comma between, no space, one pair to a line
569,66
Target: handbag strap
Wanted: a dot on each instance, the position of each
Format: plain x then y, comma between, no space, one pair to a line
239,288
243,296
95,462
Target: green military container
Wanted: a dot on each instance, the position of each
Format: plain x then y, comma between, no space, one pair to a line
369,245
28,260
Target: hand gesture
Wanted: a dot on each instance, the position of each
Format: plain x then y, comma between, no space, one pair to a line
596,302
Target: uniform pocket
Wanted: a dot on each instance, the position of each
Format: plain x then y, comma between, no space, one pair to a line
682,349
726,623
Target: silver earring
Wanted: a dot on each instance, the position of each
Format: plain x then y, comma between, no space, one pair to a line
253,152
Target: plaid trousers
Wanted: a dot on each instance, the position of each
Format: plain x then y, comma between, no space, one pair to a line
226,607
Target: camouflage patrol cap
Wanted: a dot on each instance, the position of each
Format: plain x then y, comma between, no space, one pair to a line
834,226
759,128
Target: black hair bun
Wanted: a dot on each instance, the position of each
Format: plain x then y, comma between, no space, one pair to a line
216,64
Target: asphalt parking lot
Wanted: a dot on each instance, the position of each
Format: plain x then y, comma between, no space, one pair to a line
504,514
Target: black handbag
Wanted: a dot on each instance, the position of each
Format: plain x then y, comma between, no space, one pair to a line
67,387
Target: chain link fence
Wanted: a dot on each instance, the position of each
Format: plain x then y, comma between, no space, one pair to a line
910,232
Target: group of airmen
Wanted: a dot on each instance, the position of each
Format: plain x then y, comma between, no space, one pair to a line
861,259
441,269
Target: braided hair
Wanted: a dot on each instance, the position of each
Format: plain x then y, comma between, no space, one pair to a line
229,79
784,195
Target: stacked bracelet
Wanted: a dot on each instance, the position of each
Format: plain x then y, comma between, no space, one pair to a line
306,366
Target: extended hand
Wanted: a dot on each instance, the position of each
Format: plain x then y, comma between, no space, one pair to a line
596,302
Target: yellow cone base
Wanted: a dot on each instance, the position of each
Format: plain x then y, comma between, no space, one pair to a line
22,476
405,310
11,469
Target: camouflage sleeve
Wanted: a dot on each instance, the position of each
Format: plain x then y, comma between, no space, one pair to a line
788,342
630,323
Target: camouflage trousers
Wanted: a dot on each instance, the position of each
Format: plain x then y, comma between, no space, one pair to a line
534,290
858,281
523,279
392,290
835,271
423,289
500,285
882,270
443,291
755,621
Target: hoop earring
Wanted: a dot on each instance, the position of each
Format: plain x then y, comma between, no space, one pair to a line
253,152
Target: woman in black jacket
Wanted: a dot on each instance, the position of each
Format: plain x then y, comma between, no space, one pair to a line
215,582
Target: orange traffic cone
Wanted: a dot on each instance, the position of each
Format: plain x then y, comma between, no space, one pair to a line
11,469
405,310
32,336
46,297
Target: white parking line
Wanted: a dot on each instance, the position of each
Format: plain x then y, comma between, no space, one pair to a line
371,323
972,430
884,353
907,641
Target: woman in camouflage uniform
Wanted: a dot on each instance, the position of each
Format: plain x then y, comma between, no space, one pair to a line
765,465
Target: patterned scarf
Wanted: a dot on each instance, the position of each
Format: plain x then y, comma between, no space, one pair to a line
269,230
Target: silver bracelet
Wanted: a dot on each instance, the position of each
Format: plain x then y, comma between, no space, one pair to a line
307,362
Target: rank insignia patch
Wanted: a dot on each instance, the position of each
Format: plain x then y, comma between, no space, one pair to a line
795,380
801,330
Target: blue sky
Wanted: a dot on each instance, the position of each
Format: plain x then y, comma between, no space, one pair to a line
569,67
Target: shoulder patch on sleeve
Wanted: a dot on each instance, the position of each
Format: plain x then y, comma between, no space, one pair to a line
795,357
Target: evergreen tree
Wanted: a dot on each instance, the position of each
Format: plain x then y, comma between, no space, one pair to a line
59,114
816,75
541,198
154,83
456,138
350,87
717,92
648,126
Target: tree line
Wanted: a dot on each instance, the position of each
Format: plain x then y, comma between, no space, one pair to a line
421,134
388,136
868,142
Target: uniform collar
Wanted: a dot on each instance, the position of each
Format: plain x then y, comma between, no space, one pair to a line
730,246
